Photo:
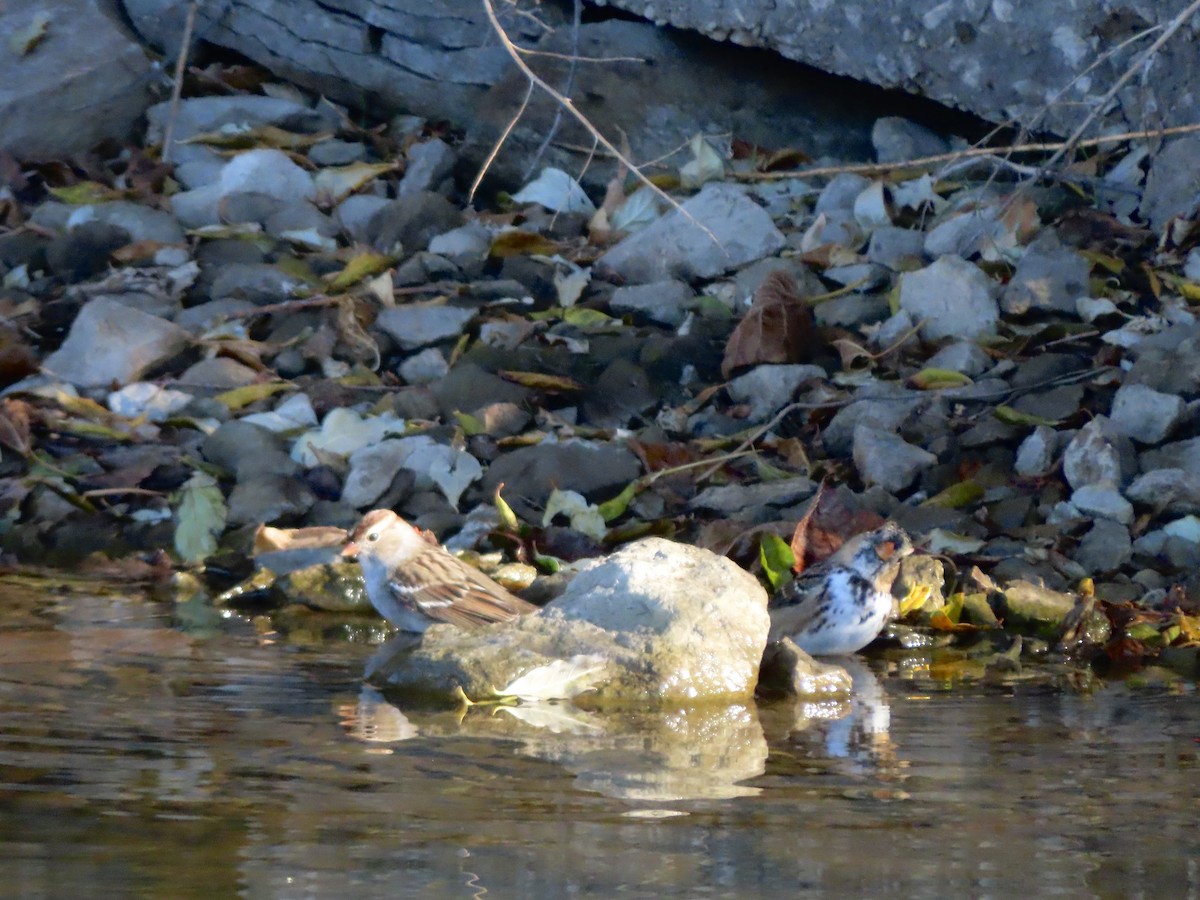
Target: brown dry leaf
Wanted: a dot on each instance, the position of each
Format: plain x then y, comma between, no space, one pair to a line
853,355
778,328
799,542
267,538
14,425
17,358
661,455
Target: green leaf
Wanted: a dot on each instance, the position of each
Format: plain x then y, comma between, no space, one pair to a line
933,379
777,560
238,397
200,517
508,518
364,265
956,496
1010,416
615,506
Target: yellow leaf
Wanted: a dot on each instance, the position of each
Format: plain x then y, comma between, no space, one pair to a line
363,265
23,40
541,381
508,518
471,425
582,317
933,379
956,496
1104,261
1189,627
84,193
251,393
337,183
521,243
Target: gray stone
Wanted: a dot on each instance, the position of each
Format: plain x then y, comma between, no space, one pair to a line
897,139
337,153
1090,459
142,222
1050,276
766,389
675,246
198,207
885,406
429,164
896,247
961,356
417,325
1176,455
1173,182
888,460
841,192
372,469
266,171
468,387
952,297
259,283
248,451
747,501
660,301
86,82
665,623
975,224
409,223
1102,501
1035,456
1105,548
425,367
269,497
467,242
110,342
598,471
354,214
219,373
1170,490
787,668
1144,414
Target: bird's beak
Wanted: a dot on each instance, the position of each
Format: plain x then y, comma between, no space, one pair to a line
350,551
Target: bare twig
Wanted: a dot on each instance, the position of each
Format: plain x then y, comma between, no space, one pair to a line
185,45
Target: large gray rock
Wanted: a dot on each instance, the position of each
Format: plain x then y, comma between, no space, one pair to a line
111,342
952,298
715,231
85,81
657,623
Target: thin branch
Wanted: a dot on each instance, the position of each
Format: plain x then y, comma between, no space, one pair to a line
491,157
185,44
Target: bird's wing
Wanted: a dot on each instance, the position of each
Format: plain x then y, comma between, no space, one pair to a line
796,605
467,599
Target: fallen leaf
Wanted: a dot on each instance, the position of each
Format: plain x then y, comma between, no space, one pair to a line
200,515
778,328
777,560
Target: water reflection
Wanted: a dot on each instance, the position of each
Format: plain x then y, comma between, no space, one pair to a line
137,757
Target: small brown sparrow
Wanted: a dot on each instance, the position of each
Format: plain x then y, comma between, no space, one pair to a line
414,582
842,603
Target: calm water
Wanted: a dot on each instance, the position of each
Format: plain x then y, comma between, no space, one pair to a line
139,757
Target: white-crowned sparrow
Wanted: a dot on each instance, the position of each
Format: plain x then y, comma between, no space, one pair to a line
842,603
413,582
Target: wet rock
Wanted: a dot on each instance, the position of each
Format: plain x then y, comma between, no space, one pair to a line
416,325
1144,414
1026,606
896,139
530,473
673,246
1035,456
787,668
1090,458
410,222
110,342
660,301
334,587
1105,548
888,460
1050,276
953,297
429,164
767,389
657,622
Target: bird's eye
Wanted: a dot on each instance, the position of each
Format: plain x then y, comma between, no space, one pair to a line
373,536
